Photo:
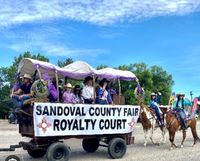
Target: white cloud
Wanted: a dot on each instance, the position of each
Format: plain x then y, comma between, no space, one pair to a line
56,50
101,12
46,40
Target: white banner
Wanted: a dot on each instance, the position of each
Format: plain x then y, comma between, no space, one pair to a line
60,119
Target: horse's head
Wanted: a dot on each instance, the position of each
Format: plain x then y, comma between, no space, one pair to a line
145,115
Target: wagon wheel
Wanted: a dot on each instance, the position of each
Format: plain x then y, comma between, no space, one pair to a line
117,148
12,157
90,145
36,153
58,152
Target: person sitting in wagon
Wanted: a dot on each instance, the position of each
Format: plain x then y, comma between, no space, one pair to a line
102,94
53,96
153,104
77,94
68,95
23,93
88,90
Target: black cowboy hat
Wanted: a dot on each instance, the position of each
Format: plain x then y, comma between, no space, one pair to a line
103,81
77,87
88,78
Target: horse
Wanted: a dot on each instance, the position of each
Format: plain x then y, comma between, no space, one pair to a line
149,124
173,125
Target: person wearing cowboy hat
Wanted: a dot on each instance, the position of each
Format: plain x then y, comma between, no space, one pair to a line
23,93
102,94
77,94
68,96
178,106
88,90
155,107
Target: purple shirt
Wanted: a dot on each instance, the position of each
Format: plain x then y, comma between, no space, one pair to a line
53,91
68,97
26,88
16,86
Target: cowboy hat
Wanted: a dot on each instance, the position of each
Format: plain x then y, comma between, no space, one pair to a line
104,80
88,78
180,94
28,76
68,85
77,87
153,94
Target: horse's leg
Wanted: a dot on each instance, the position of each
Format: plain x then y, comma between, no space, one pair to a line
184,136
194,131
152,130
145,137
163,139
171,138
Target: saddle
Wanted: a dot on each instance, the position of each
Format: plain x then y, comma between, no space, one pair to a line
188,116
154,115
175,113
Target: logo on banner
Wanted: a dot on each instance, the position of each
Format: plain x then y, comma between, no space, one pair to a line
132,123
44,125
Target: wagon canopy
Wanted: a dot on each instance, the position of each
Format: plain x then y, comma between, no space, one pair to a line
29,66
111,73
77,70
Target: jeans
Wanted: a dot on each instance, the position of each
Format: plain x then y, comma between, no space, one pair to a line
157,111
18,102
88,101
102,102
183,118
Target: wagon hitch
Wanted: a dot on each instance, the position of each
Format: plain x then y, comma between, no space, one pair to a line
12,148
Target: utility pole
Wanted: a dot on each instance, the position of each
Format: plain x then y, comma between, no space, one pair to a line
191,94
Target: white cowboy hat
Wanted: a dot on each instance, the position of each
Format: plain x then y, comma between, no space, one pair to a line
28,76
68,85
153,94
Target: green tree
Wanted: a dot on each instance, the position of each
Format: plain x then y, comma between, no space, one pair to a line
4,94
153,79
162,82
101,67
10,71
65,62
7,78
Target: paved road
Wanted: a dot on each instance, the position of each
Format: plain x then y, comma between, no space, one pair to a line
135,152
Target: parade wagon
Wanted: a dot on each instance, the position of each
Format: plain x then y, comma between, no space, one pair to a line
49,124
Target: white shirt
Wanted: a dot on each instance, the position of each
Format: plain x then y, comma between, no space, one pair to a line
88,92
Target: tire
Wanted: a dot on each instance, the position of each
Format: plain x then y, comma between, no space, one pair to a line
12,158
117,148
36,153
58,152
90,145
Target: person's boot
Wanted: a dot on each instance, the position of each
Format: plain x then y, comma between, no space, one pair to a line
184,125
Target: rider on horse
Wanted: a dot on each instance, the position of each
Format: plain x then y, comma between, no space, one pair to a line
178,106
153,105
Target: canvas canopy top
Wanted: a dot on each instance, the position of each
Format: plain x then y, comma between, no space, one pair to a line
77,70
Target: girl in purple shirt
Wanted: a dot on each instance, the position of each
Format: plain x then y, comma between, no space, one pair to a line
68,95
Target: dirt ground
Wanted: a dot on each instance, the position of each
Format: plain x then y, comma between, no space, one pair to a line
136,152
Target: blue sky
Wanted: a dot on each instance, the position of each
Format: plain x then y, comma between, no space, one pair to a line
111,32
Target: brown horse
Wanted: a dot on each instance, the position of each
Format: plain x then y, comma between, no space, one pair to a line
149,124
173,125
